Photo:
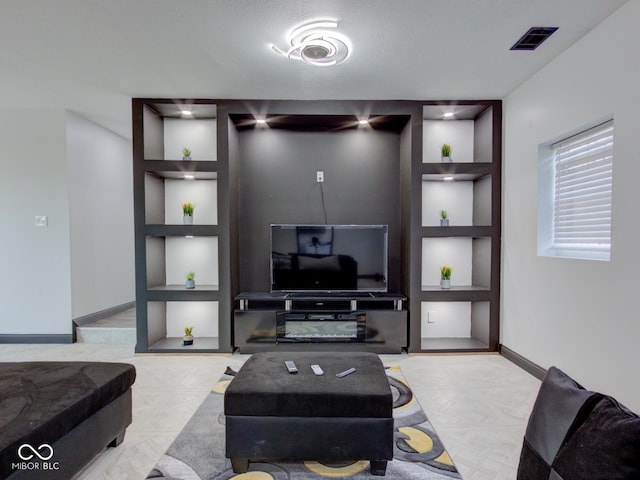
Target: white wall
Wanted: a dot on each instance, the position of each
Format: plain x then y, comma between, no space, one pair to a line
101,217
579,315
35,292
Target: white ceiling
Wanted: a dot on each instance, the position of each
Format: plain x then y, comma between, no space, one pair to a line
92,56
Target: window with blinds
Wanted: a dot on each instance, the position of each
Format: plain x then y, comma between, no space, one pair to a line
582,185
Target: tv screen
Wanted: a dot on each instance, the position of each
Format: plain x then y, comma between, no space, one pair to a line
329,258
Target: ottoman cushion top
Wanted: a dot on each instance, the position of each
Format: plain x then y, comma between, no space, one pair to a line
264,387
40,402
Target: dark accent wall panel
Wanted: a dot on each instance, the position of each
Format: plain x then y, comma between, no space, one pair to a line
277,184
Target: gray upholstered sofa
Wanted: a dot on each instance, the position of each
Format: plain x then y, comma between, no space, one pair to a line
56,416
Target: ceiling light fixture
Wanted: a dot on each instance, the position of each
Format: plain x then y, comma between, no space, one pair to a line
314,44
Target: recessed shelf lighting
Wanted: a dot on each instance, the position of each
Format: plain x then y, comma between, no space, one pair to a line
448,179
188,236
363,121
189,177
260,121
448,115
186,112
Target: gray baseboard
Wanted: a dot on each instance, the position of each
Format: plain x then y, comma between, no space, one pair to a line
524,363
107,312
36,338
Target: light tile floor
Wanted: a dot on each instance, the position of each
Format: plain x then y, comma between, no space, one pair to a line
479,404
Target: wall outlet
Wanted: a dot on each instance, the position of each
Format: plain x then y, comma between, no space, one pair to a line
320,176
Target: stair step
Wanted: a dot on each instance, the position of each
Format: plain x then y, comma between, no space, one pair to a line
118,329
115,335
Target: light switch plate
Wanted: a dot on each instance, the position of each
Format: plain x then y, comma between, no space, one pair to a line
42,221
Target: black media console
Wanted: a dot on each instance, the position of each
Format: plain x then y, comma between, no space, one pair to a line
371,322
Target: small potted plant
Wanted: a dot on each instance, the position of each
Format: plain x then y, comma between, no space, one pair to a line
190,283
187,213
445,150
186,154
188,338
444,218
445,276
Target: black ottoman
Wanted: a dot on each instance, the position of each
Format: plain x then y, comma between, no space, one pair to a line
272,414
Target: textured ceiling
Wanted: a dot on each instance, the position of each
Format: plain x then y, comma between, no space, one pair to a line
92,56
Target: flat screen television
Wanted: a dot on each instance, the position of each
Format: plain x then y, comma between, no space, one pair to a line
329,258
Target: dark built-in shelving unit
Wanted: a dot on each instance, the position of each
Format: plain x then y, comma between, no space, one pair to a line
246,176
166,249
470,190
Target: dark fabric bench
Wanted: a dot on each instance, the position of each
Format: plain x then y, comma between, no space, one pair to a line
271,414
64,412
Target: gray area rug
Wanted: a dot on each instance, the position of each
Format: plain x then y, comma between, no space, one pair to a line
198,451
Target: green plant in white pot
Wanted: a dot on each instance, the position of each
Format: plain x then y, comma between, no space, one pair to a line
445,152
186,154
444,218
445,276
187,213
188,338
191,282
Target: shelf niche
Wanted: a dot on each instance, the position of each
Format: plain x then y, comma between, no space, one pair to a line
166,322
464,131
167,131
468,257
164,197
169,259
455,325
467,202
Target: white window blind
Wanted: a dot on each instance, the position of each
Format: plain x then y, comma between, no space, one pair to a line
583,174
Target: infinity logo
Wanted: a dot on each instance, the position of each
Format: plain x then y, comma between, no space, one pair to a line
40,452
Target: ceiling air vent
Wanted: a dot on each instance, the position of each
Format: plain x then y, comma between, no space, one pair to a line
533,38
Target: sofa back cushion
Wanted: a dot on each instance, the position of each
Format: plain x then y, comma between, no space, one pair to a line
576,434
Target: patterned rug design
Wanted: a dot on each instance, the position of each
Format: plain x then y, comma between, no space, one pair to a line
198,451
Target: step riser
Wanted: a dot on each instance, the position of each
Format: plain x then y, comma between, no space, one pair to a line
118,336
